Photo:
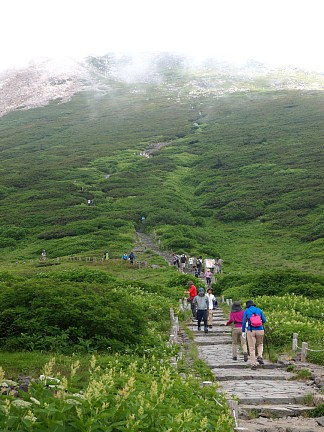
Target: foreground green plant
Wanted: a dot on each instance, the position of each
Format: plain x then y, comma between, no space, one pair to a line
135,394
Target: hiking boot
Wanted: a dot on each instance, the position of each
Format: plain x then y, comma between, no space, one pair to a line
246,357
199,328
253,367
260,360
206,330
210,326
234,358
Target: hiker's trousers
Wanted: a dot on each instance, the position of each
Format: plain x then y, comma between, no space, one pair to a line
236,335
202,316
210,317
255,341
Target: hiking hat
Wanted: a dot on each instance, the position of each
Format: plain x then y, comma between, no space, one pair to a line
201,290
236,306
249,303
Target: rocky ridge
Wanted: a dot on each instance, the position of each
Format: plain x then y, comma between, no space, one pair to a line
40,83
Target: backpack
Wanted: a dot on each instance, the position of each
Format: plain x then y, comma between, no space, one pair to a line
255,320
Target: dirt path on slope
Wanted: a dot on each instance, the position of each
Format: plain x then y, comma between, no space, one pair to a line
147,242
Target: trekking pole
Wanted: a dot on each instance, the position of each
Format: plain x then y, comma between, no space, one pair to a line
267,345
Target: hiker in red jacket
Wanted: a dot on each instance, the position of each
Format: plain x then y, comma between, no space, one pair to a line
236,317
192,293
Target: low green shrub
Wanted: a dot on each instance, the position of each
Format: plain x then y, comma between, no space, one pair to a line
277,282
82,310
137,394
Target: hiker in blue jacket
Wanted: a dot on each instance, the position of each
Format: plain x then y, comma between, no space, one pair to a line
253,330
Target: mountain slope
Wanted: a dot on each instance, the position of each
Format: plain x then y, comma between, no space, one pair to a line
236,169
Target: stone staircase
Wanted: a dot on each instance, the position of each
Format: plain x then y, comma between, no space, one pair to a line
270,391
145,241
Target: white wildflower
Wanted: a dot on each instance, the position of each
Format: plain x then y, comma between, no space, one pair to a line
30,416
21,403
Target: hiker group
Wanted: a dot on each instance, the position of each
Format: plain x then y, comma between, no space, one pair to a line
195,265
249,329
248,324
129,257
202,305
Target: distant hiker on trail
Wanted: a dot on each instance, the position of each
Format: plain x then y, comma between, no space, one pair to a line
192,294
252,328
183,260
43,255
105,256
175,260
236,318
212,304
196,272
201,301
199,265
219,265
125,257
191,263
131,257
208,276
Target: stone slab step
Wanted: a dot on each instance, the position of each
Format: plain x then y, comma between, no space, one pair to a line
214,329
290,410
212,332
220,356
247,374
255,392
209,339
240,364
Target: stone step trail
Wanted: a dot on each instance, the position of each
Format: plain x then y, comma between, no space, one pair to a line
269,389
270,379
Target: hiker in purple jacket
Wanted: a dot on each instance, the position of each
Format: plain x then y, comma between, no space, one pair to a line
252,328
236,317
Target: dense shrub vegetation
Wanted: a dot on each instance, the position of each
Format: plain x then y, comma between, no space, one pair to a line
82,311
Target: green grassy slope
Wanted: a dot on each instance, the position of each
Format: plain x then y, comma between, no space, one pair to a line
240,177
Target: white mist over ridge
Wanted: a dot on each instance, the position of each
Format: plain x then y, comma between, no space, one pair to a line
177,77
279,33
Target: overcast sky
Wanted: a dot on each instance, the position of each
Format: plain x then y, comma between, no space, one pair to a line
287,32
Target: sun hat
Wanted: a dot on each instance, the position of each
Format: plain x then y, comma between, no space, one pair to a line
250,303
236,306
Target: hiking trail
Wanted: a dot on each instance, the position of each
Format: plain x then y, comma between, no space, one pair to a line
269,395
270,399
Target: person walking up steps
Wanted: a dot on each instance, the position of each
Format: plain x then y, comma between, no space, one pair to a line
201,301
212,304
236,318
208,276
252,328
199,265
192,294
183,260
